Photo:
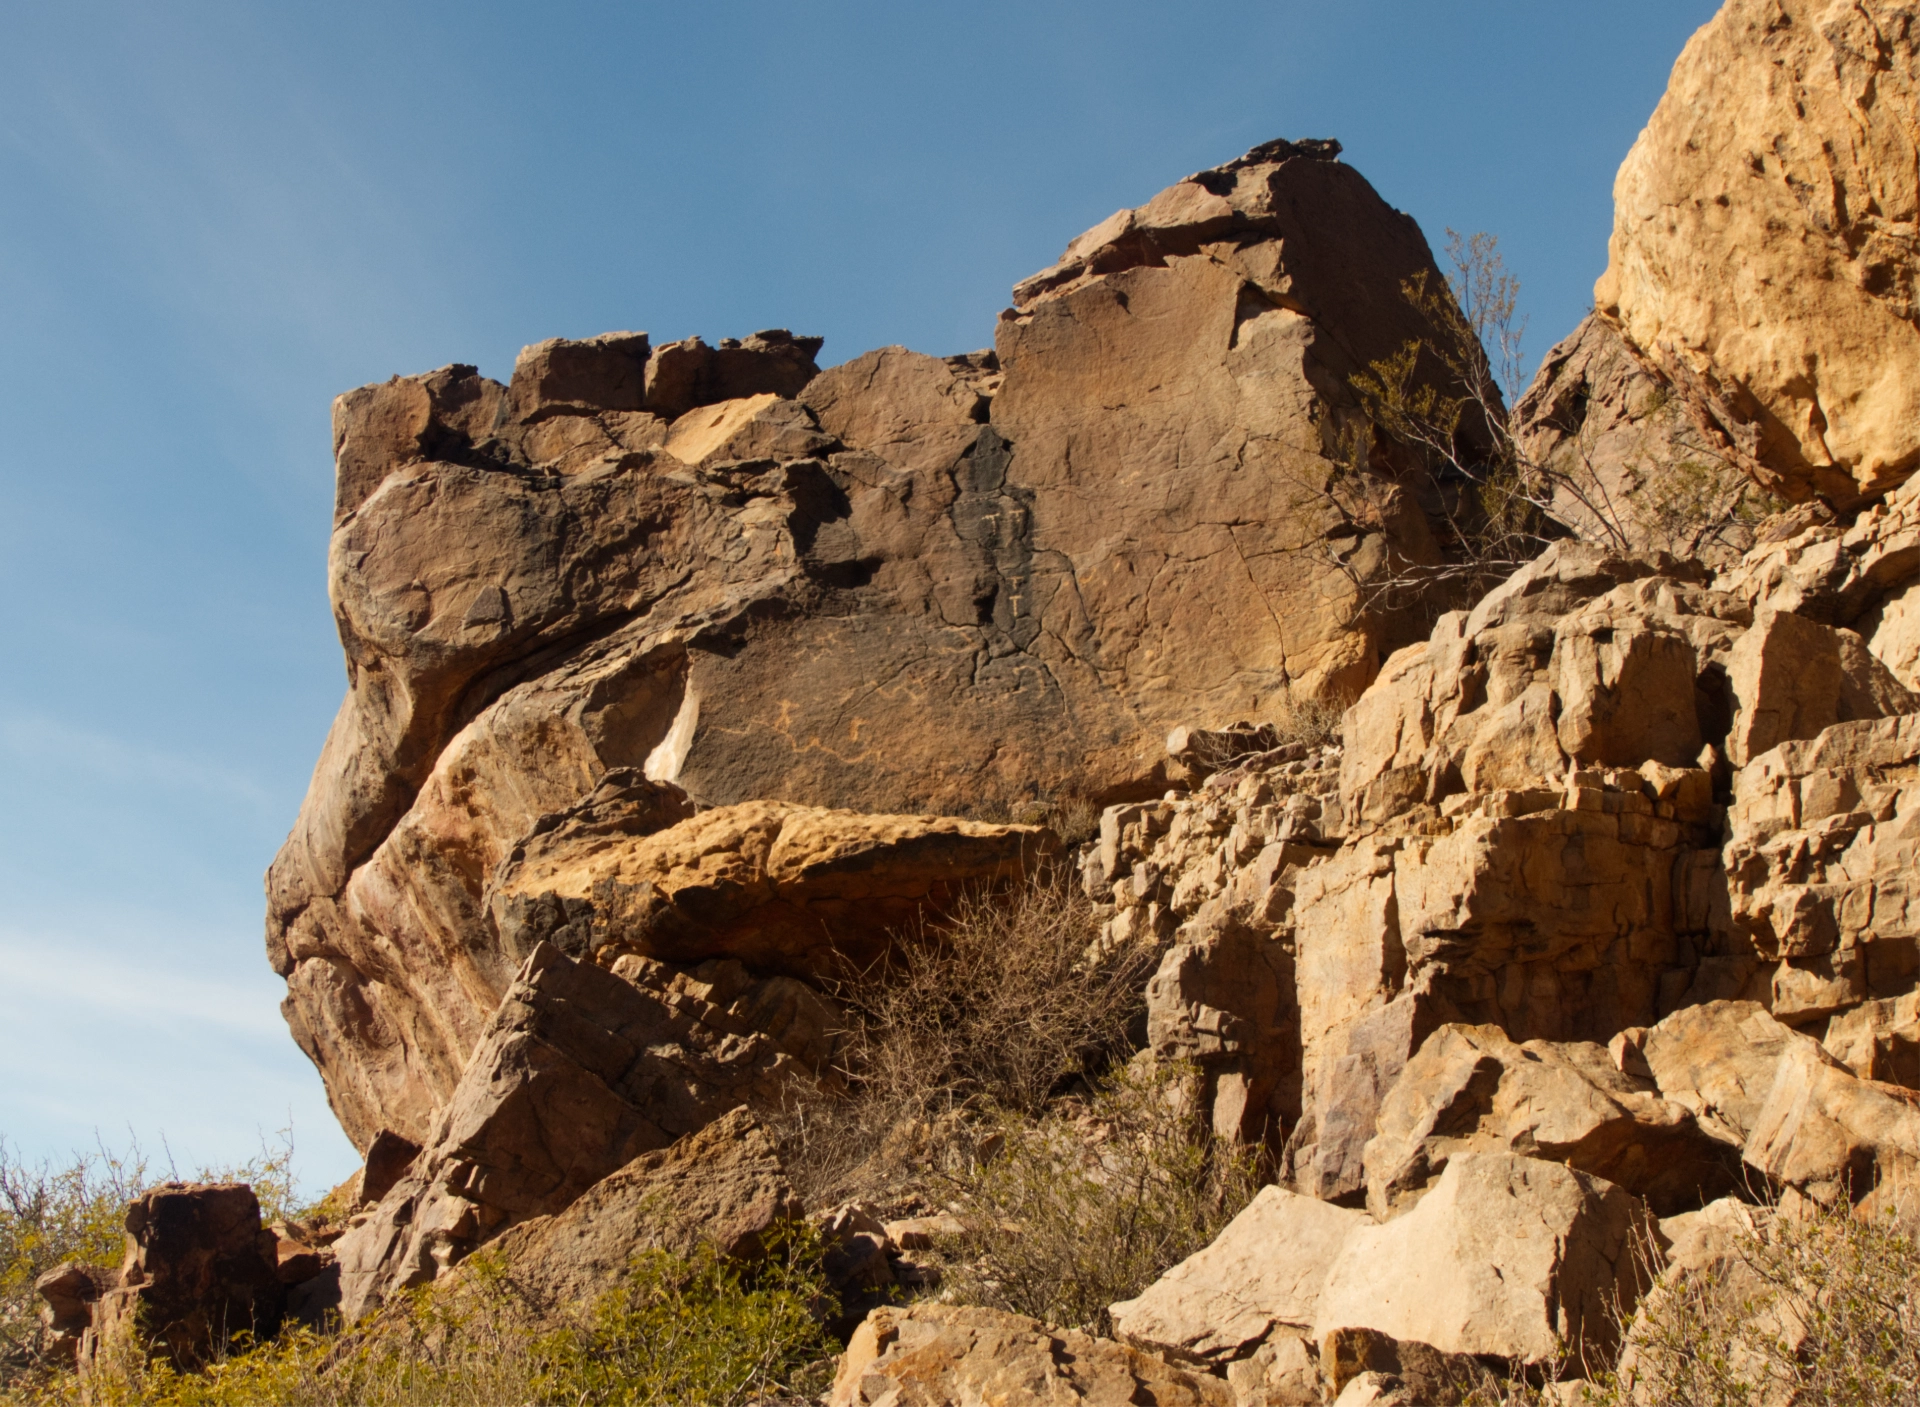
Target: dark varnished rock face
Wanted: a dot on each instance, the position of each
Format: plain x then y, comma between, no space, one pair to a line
904,584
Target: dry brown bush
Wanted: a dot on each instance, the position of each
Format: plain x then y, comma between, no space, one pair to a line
1815,1307
987,1010
1095,1202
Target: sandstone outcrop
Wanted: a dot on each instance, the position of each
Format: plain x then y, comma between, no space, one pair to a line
930,1355
723,1185
199,1270
1879,1040
787,889
578,1073
1819,865
1506,1256
1523,827
673,672
902,584
1764,241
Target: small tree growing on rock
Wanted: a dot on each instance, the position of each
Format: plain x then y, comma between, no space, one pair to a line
1435,430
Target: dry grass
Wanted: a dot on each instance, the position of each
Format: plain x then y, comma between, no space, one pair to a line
988,1012
1811,1307
1818,1308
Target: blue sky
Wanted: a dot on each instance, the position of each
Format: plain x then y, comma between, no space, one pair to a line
217,216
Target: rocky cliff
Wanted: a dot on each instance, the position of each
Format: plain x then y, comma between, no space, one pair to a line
1756,319
980,585
685,679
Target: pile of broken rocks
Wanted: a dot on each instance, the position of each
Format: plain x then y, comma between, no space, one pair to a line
1592,935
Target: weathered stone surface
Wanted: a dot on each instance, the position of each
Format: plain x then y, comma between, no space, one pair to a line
444,415
1588,914
723,1185
1820,866
1836,1137
1222,999
1526,833
1470,1089
752,427
906,584
1263,1272
1401,1372
199,1269
1283,1372
1791,677
1583,657
934,1355
558,377
70,1291
1506,1256
578,1073
1763,242
684,375
1718,1061
794,889
1879,1040
1633,463
388,1158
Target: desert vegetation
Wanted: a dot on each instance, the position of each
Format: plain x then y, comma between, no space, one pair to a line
682,1331
989,1070
983,1014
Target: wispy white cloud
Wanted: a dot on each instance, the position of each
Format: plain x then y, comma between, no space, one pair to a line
40,740
91,982
100,1042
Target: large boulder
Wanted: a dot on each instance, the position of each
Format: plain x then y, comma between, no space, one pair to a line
1836,1137
904,584
1260,1276
1507,1257
1763,242
200,1270
1717,1060
933,1355
723,1185
1470,1089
